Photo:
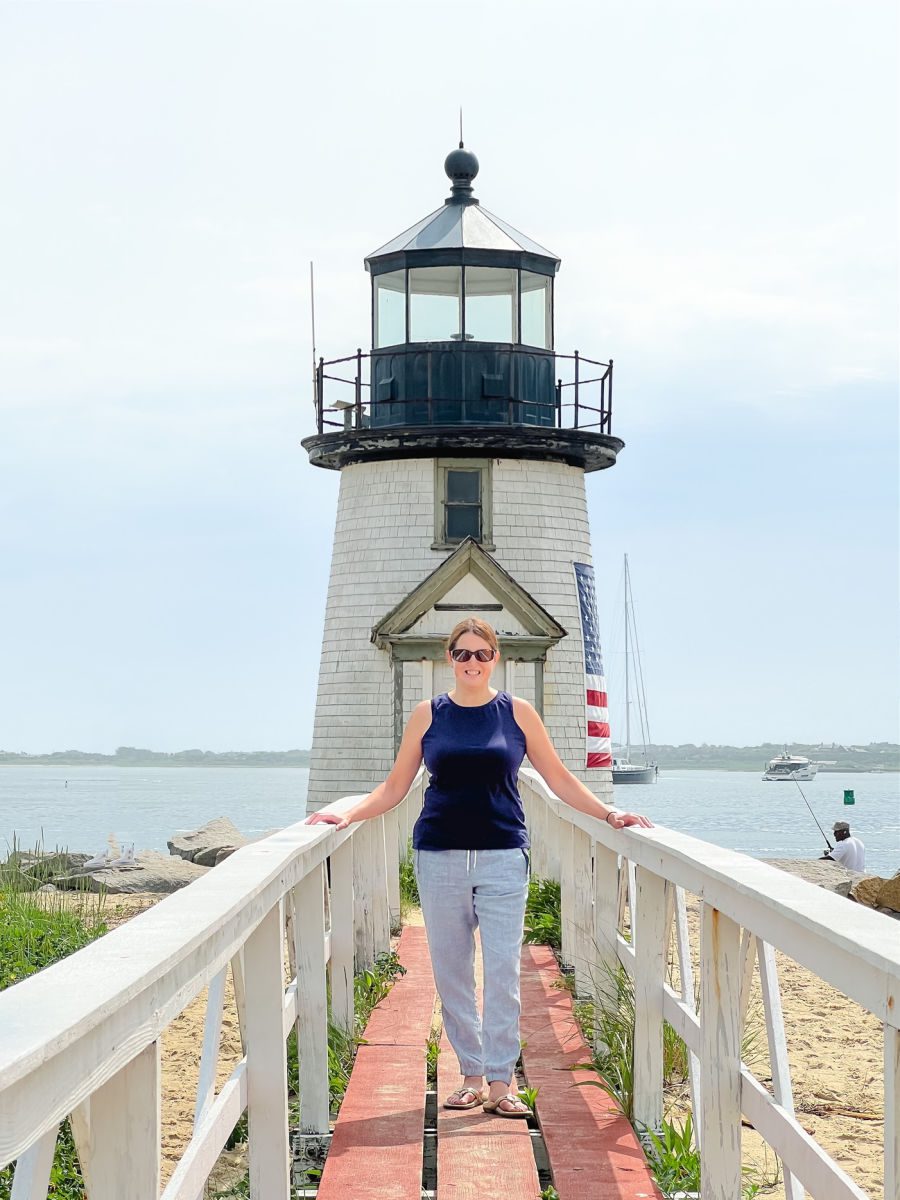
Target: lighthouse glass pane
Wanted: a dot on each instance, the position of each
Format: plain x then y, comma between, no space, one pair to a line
463,522
491,304
434,304
536,310
390,309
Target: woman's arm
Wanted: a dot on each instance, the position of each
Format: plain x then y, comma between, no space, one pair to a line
559,779
388,794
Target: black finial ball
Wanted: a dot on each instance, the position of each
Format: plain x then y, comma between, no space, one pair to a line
461,165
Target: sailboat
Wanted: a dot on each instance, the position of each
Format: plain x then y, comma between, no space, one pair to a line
623,769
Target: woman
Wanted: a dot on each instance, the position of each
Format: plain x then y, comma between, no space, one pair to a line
471,853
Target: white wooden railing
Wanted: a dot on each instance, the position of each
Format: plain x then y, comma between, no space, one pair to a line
747,909
81,1039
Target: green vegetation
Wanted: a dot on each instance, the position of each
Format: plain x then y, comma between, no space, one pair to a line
37,929
876,756
409,888
543,923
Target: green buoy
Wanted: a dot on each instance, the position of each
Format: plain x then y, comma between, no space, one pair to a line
848,796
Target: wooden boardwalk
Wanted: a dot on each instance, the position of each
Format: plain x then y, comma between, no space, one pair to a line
377,1147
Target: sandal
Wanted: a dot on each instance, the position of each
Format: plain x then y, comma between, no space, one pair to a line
477,1098
491,1106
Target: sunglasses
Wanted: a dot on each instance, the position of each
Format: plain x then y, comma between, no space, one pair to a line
465,655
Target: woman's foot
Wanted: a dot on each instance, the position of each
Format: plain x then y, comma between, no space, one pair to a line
470,1095
503,1100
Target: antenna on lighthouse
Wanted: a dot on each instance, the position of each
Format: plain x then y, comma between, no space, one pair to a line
460,128
312,313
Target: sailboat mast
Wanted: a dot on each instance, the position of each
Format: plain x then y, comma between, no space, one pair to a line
627,685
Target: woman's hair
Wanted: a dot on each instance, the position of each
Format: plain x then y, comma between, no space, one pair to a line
479,628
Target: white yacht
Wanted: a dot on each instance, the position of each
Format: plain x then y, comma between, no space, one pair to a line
790,766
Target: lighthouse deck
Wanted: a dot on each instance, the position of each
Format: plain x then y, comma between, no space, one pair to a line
289,919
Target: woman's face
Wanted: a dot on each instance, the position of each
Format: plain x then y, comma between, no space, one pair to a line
473,674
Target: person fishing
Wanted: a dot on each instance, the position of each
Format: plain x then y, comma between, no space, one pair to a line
849,851
471,853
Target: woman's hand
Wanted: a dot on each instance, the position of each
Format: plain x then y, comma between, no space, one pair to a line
327,818
619,820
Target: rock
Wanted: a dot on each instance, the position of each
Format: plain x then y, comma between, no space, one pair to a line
866,891
207,841
822,871
225,852
152,872
47,887
889,896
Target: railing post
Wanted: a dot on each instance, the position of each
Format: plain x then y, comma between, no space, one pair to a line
891,1112
582,922
559,404
124,1138
380,880
392,858
364,898
609,399
266,1061
720,1054
320,395
342,941
648,922
686,975
358,395
566,892
778,1051
31,1177
606,920
576,390
312,1001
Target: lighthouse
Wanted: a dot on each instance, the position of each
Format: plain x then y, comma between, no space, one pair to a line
463,439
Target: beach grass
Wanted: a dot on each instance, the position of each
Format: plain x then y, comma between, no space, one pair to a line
37,929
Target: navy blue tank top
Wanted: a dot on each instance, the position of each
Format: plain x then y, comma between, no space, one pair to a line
473,756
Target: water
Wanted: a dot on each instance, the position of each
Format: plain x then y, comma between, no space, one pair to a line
146,806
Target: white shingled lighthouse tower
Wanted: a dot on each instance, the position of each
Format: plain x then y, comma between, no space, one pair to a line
463,440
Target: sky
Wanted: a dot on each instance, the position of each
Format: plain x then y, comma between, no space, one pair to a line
720,181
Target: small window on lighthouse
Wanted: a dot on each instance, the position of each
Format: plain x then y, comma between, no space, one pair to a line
462,502
463,505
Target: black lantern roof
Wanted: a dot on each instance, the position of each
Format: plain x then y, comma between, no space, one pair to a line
461,231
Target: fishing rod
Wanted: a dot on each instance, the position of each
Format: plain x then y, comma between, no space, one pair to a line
811,813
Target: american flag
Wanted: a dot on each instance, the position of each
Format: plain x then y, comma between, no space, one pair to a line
599,745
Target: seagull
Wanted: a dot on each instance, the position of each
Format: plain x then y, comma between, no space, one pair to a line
97,862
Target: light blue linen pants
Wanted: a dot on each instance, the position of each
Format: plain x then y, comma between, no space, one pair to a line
461,890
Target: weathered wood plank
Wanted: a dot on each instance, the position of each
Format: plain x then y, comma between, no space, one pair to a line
312,1001
474,1146
891,1113
778,1051
582,911
124,1149
342,936
593,1150
267,1062
649,975
209,1055
376,1149
32,1173
720,1054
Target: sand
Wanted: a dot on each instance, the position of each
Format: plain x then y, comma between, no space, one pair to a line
835,1050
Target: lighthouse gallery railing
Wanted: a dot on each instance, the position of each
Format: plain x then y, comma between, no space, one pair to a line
82,1038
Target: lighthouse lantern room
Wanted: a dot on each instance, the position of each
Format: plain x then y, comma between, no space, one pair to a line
463,440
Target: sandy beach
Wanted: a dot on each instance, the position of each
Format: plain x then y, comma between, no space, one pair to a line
835,1051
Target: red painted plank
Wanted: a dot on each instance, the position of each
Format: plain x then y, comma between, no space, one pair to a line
403,1018
376,1148
594,1153
479,1154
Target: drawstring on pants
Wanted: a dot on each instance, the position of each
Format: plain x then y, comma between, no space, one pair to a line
474,860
